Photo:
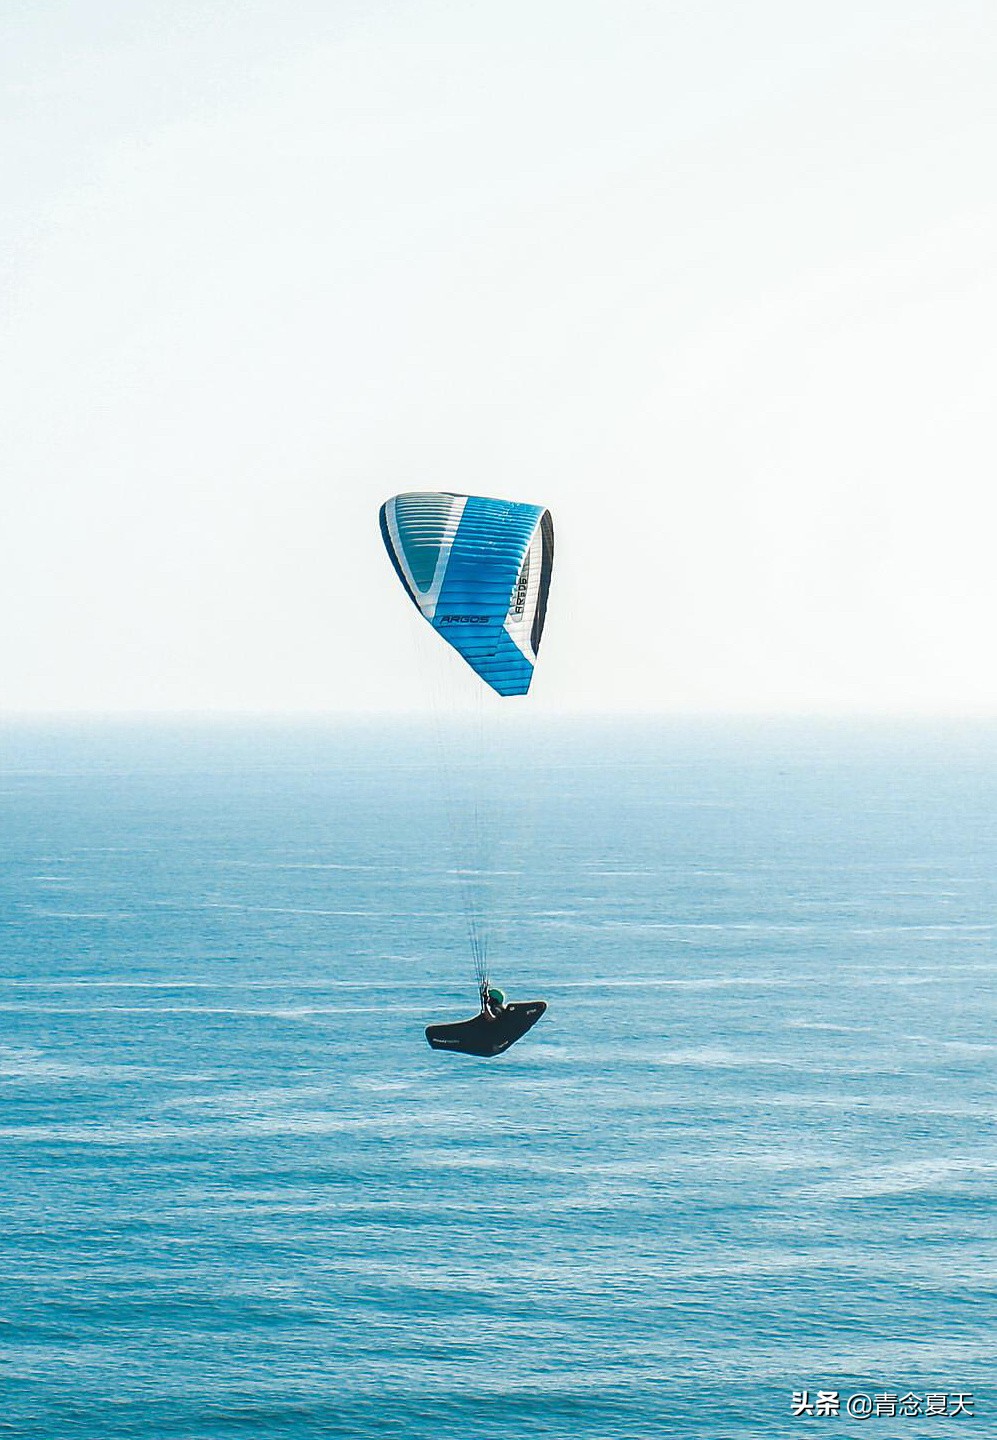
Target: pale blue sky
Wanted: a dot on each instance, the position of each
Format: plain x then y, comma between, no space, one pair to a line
713,281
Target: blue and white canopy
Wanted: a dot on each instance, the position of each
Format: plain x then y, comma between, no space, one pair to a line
479,571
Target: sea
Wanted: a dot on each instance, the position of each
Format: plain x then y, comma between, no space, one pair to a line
738,1182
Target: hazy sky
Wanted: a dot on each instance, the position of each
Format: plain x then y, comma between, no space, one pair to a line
714,281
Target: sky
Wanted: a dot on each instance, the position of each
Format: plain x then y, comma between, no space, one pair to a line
713,281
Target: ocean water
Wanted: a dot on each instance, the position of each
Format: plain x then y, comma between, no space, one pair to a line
748,1152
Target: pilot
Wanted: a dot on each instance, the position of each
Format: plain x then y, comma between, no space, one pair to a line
492,1002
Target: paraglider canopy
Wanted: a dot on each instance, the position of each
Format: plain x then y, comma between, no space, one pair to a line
478,570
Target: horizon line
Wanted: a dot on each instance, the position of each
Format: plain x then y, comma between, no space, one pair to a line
516,713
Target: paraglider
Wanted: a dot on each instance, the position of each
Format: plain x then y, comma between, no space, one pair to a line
487,1033
478,570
